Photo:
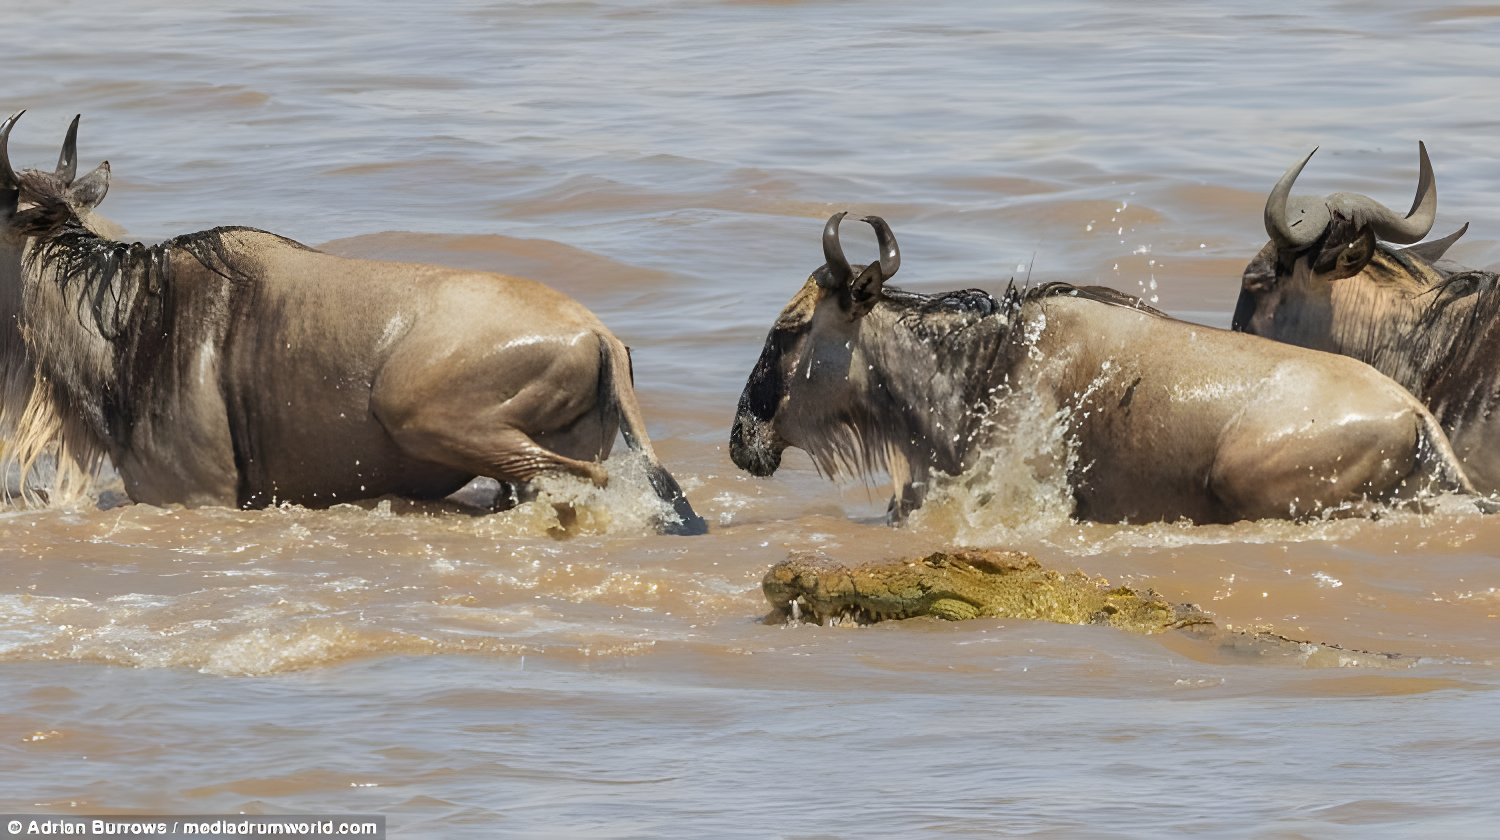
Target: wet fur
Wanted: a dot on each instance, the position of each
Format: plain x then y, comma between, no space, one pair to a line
913,386
158,357
107,325
964,344
1431,325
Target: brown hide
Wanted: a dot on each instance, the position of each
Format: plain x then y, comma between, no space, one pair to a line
1168,420
1428,323
236,367
1434,329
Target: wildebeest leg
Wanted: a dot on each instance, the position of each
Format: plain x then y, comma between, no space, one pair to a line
573,399
907,499
909,489
521,459
461,416
506,498
503,453
1439,468
617,400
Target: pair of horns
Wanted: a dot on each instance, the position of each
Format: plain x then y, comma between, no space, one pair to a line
836,272
67,162
1295,222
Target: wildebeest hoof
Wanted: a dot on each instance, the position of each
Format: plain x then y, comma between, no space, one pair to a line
598,475
687,523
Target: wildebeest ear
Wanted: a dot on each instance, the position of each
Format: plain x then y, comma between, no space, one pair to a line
864,291
86,192
1434,250
1353,257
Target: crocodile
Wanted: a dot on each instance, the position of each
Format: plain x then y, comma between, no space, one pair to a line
985,583
963,584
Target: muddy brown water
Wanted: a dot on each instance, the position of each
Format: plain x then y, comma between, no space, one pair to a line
670,165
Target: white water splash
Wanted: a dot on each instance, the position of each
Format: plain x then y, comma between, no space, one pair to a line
1017,489
626,506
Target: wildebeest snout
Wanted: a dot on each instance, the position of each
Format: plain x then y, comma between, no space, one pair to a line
754,445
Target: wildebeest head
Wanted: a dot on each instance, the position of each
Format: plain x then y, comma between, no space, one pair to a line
37,204
1288,289
804,383
32,201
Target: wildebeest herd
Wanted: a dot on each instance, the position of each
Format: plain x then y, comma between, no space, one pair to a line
236,367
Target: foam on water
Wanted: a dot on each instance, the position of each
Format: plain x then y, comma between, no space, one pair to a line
263,606
626,506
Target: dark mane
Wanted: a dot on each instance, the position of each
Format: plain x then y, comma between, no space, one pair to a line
963,301
1458,286
1448,283
1433,328
942,316
1457,347
1101,294
111,274
947,314
118,322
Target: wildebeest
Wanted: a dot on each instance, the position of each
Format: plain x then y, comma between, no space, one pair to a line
1326,280
1169,419
236,367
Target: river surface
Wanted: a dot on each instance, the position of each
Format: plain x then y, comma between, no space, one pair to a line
670,164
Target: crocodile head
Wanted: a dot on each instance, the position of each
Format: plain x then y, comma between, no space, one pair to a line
960,585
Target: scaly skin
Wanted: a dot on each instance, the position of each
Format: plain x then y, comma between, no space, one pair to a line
963,584
976,583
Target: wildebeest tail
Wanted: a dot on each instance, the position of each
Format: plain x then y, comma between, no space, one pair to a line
617,401
1438,465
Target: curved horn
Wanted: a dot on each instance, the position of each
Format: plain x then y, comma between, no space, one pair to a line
1387,224
1426,199
835,272
1295,223
67,162
890,255
1417,223
8,179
